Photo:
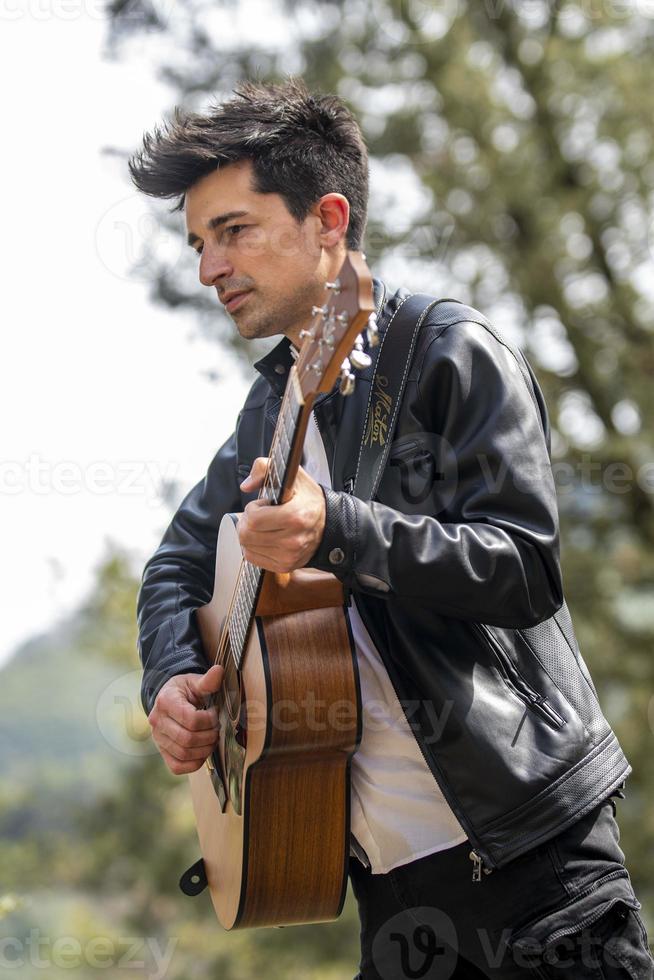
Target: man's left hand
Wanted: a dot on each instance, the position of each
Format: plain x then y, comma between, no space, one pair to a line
281,538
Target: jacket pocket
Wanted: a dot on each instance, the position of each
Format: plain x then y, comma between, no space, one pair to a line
402,451
420,475
553,647
517,682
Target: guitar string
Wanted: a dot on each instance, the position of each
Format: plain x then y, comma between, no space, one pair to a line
224,645
224,640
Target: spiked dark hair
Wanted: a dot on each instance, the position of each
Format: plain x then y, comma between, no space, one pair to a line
301,147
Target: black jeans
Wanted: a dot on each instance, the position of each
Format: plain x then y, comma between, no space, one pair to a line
564,911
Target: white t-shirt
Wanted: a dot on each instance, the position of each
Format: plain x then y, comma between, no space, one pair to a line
398,811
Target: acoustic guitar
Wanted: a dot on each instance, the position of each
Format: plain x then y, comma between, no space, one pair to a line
272,803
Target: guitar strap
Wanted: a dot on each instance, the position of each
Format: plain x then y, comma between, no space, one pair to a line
392,365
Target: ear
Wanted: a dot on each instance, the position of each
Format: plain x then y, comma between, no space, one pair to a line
333,210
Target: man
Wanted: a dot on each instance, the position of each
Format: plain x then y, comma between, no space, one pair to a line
484,837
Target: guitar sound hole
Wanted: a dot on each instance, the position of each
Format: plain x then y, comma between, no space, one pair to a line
241,736
231,689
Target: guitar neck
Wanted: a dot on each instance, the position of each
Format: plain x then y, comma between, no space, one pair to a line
283,462
288,442
332,346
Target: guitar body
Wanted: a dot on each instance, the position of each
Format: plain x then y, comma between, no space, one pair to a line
273,814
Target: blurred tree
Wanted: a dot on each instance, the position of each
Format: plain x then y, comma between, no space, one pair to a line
511,168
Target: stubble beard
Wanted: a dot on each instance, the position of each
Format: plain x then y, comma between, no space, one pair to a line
290,313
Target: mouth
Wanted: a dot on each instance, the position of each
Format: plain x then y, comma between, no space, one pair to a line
236,301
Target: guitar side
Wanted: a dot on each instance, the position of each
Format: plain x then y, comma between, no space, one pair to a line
283,858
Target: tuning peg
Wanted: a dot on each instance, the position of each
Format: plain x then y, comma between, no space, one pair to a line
347,384
328,330
360,360
319,311
336,285
347,378
372,331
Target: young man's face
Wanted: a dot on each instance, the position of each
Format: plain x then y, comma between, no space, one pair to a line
281,265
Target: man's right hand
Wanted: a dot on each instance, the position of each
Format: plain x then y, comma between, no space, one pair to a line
184,731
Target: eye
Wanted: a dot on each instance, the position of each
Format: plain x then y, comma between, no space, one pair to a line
231,228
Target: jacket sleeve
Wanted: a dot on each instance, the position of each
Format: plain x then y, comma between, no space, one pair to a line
179,578
490,550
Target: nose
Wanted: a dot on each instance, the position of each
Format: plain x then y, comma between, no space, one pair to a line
213,266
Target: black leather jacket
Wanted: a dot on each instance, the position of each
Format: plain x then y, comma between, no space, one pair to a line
454,568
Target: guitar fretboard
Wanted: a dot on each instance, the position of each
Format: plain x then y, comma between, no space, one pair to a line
250,577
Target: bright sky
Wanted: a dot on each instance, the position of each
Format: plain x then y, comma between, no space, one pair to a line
101,393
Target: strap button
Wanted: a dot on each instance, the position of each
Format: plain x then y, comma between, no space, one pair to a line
336,556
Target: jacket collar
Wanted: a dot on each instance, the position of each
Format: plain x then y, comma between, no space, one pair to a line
277,363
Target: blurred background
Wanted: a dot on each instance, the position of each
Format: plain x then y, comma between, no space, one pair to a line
511,168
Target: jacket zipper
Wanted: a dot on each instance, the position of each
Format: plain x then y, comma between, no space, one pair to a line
518,683
481,864
477,867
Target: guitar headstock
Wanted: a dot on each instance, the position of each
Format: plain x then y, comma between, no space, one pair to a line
332,345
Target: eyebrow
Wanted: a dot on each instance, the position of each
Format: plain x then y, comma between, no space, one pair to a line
212,223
